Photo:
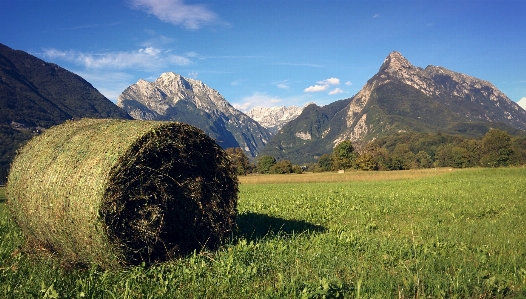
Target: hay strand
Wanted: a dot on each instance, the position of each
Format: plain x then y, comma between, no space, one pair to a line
114,192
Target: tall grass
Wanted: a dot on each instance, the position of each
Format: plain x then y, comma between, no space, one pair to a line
454,235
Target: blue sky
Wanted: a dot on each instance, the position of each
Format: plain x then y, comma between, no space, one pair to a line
269,52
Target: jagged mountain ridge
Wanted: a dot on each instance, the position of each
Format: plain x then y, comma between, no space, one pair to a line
176,98
35,95
400,97
273,118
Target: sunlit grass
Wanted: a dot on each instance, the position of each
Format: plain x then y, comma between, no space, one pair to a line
458,234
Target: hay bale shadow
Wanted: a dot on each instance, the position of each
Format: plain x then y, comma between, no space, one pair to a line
254,226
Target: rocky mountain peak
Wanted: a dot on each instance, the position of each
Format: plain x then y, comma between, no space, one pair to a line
395,62
399,98
174,97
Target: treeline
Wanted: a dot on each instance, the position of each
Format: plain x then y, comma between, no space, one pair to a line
402,151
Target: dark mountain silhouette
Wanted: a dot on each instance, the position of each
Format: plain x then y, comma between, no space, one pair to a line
35,95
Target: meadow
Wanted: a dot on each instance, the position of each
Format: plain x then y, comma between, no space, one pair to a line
406,234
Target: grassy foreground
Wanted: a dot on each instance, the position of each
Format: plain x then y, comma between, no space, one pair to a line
454,234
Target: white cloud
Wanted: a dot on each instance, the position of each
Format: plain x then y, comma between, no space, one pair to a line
336,91
176,12
330,81
282,86
522,102
150,51
322,85
316,88
193,75
348,83
237,82
148,58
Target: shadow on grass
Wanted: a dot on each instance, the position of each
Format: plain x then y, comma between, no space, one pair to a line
254,226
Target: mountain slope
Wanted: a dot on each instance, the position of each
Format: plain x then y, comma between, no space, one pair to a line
173,97
401,97
35,95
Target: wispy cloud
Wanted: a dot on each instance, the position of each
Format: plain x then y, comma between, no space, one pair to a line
237,82
257,99
323,85
282,84
86,26
336,91
176,12
148,58
156,39
299,64
262,99
193,74
110,84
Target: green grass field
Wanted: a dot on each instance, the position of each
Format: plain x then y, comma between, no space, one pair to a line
452,234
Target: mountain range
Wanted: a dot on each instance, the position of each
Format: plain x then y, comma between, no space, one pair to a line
399,98
173,97
273,118
35,95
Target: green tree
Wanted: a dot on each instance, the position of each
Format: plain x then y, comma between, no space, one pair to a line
366,161
281,167
297,169
473,149
264,163
343,155
459,157
325,162
239,160
444,155
423,160
496,149
402,157
518,157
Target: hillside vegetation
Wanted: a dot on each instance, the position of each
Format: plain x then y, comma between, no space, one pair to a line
457,234
35,95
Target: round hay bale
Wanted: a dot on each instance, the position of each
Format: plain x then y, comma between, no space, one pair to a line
117,192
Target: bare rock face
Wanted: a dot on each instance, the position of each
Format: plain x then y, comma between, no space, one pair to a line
467,96
173,97
273,118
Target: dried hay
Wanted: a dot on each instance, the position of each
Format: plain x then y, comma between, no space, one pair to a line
115,192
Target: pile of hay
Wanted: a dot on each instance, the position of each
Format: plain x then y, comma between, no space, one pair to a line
116,192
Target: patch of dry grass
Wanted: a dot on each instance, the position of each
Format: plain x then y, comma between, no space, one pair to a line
350,176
